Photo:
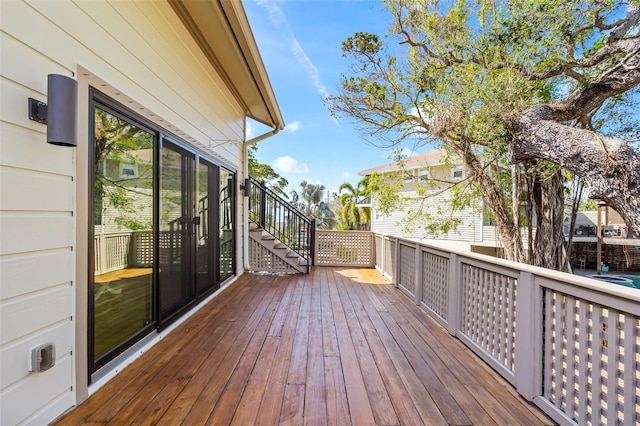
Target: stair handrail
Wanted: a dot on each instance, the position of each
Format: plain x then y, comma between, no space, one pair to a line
281,219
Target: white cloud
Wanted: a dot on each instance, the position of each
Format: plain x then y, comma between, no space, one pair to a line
278,19
345,175
293,127
404,153
274,12
312,70
249,132
288,164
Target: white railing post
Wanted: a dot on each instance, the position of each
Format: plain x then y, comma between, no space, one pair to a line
418,277
527,337
455,294
396,263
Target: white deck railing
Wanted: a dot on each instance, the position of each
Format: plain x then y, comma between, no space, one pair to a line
344,248
119,250
569,344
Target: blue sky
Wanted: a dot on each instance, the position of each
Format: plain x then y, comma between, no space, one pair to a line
300,43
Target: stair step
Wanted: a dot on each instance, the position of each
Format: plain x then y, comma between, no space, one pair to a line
292,254
280,245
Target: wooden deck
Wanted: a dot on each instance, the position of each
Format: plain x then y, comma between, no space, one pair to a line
338,346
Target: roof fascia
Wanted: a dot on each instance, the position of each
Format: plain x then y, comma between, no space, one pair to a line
222,31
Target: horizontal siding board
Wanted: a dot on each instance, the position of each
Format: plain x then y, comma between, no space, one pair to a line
41,390
26,314
189,74
35,191
41,34
467,230
22,71
28,149
33,232
17,353
92,26
22,274
14,103
83,42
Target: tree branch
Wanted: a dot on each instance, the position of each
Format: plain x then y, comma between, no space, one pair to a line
609,166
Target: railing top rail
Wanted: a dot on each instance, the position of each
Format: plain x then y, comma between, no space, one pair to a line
578,280
278,198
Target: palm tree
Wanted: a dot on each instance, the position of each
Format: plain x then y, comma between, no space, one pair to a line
350,197
309,202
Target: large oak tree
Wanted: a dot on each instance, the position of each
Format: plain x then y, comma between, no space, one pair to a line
510,82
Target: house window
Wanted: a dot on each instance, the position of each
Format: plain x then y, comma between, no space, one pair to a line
128,170
408,176
425,175
457,173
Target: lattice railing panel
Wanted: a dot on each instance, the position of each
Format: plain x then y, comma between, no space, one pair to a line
344,248
407,272
262,259
435,283
142,249
592,361
489,312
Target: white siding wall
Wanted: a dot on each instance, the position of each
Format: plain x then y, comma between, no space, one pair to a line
140,54
468,231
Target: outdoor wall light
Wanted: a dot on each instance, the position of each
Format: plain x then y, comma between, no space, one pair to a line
246,187
61,114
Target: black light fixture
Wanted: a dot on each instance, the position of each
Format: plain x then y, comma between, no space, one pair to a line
246,187
61,113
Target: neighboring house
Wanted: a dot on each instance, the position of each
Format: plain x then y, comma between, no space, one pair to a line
108,245
435,171
620,249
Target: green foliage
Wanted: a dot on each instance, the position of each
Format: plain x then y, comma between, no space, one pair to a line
265,173
350,196
117,142
463,73
309,201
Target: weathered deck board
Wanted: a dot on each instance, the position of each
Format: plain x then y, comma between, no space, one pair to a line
338,346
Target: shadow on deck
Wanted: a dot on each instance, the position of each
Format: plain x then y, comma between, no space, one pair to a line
338,346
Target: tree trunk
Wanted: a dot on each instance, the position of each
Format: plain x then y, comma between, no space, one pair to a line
494,198
548,198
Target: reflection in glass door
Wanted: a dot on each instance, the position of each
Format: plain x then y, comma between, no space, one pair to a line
176,226
206,229
121,306
227,214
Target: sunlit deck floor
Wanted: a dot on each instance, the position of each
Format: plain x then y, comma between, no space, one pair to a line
338,346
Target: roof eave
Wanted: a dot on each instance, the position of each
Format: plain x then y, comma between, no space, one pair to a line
222,31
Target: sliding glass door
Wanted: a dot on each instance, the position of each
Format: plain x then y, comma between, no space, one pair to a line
176,230
207,247
163,230
121,292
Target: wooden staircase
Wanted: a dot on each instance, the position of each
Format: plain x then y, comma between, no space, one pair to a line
289,256
281,238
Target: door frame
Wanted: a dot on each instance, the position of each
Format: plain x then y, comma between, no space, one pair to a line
123,350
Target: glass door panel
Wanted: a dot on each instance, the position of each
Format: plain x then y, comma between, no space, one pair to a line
123,205
176,242
206,229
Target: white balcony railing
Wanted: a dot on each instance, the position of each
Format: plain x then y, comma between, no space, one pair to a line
119,250
569,344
